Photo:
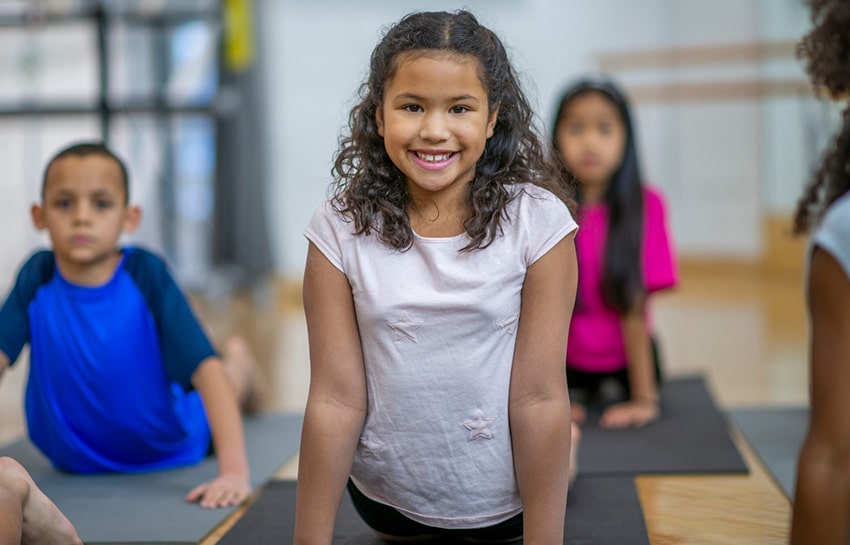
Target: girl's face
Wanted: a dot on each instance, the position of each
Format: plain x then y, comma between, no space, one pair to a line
435,122
591,139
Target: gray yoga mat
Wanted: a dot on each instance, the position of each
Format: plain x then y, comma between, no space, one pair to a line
776,435
150,507
600,511
690,437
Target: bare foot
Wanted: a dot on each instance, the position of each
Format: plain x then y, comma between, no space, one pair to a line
43,522
239,361
575,439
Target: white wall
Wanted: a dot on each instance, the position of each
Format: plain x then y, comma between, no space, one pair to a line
321,53
722,164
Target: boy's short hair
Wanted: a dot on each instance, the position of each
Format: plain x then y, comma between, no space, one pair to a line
83,149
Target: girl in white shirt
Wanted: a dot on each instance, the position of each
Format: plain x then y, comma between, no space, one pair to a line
438,289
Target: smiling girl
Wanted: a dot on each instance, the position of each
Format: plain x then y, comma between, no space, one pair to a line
438,289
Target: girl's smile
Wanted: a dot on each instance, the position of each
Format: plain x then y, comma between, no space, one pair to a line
433,160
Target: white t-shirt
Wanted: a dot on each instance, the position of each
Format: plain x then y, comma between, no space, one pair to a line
833,233
438,329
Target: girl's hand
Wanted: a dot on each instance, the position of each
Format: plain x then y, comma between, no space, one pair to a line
636,412
224,491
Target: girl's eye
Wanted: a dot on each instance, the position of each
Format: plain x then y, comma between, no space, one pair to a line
575,128
606,128
62,203
459,109
413,108
103,204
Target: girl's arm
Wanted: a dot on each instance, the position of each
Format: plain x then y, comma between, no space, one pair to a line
336,403
539,405
822,497
233,483
642,407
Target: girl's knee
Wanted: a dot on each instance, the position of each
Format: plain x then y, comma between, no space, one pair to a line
13,477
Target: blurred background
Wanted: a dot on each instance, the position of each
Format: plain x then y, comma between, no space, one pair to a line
228,114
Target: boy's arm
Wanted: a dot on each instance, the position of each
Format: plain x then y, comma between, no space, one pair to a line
539,405
643,405
822,496
337,401
233,482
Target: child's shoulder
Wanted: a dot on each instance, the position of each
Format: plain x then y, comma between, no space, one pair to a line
528,194
39,266
654,200
537,206
140,261
836,219
140,254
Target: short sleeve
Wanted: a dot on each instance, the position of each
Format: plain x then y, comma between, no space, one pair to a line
547,218
659,265
14,319
324,230
183,341
833,233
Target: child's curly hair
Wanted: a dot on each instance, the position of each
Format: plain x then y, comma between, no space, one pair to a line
826,50
372,191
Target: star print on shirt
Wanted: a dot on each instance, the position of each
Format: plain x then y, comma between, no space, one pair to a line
405,328
371,447
480,427
508,325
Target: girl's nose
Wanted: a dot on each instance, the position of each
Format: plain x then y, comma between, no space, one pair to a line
434,127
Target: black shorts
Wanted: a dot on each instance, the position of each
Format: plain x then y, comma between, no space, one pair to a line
390,522
588,388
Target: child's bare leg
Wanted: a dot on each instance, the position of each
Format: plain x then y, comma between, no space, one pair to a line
575,439
32,517
11,511
244,374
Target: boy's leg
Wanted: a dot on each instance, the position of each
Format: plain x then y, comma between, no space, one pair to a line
241,366
27,516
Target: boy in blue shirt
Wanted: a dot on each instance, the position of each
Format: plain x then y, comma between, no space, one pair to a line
122,376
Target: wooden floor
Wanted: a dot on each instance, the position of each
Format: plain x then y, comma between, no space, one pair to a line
743,329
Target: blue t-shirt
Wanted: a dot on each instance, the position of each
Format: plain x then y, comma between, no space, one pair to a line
110,366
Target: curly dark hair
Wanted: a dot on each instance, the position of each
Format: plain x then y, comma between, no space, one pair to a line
826,50
372,191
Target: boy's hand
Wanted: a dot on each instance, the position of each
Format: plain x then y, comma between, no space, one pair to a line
637,413
224,491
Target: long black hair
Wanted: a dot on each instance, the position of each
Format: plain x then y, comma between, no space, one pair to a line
826,50
372,191
622,279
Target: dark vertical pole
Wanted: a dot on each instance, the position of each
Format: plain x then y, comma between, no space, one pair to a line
103,69
162,59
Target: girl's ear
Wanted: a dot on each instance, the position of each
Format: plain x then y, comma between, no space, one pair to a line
491,122
37,214
379,119
132,219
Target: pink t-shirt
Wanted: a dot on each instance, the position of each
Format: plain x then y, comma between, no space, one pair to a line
596,342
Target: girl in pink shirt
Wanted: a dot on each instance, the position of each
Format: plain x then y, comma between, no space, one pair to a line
624,255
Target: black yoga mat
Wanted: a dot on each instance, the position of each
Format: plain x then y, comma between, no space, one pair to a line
150,507
776,434
690,437
600,511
